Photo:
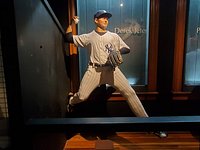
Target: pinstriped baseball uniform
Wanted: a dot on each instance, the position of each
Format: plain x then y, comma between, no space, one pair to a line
98,47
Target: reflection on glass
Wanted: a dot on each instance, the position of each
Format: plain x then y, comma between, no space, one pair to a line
192,55
131,21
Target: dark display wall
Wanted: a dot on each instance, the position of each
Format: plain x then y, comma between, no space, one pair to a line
42,61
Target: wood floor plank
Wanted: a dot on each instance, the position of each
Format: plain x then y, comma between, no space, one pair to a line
137,140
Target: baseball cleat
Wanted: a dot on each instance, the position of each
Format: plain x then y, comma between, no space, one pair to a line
69,105
69,108
161,134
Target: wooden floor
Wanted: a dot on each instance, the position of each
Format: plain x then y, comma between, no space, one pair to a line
134,141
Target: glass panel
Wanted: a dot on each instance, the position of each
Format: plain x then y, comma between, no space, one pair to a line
130,21
192,54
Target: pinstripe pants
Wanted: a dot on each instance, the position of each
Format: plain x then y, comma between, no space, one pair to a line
94,77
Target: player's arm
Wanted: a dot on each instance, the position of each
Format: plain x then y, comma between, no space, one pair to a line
68,34
69,37
124,50
123,47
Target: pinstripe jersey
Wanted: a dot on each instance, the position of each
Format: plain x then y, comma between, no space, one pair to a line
98,45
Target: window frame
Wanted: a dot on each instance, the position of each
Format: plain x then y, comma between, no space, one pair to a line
144,92
180,91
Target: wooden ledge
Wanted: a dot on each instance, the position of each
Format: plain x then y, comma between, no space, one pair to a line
117,123
141,95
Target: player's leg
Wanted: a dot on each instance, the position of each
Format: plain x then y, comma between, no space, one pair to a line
89,82
122,84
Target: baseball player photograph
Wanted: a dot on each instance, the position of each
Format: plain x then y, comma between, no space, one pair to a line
105,51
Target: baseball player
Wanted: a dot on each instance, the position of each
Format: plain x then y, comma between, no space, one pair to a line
105,49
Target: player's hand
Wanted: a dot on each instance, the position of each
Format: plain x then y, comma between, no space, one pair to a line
75,20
